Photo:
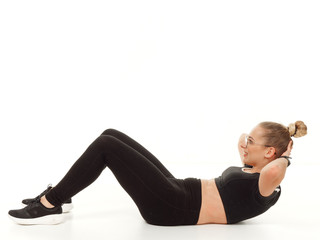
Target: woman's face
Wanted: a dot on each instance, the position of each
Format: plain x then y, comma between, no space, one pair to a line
256,152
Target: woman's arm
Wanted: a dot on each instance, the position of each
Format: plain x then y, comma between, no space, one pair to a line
280,163
273,173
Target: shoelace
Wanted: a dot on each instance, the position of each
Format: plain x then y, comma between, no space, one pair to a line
31,204
37,198
37,201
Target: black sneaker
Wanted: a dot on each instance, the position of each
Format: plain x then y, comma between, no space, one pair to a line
66,207
36,213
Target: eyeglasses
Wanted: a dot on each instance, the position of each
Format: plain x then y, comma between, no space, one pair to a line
249,141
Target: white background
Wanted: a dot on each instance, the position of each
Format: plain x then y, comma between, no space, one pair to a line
183,78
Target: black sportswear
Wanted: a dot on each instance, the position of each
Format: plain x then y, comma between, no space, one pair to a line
161,198
240,194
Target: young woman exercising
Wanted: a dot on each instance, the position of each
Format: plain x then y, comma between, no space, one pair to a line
238,194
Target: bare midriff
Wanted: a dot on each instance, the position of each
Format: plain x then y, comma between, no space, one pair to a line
212,210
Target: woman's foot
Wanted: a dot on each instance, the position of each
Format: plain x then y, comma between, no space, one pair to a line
66,207
37,213
45,202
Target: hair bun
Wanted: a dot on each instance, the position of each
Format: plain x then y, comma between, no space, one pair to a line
297,129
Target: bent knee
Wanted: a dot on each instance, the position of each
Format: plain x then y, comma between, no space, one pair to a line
110,131
108,143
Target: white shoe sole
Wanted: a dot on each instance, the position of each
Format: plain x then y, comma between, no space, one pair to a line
45,220
65,207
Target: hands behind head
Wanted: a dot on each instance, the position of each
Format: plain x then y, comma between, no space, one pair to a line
288,151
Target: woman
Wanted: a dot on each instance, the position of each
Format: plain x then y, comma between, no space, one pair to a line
238,194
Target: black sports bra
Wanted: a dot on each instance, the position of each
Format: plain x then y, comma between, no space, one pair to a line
240,194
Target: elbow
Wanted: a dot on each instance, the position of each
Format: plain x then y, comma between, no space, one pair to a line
276,174
273,171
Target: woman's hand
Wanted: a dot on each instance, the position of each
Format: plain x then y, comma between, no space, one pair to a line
242,139
289,148
241,143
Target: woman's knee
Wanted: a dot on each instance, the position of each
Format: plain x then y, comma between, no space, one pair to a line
108,143
109,131
106,139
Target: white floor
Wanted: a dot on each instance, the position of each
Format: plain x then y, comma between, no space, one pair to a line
114,216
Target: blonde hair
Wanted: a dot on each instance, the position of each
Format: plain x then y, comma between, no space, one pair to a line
279,136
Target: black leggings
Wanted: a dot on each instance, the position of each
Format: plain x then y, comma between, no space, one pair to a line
160,197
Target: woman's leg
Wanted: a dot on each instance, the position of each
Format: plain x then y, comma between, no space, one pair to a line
140,178
161,200
135,145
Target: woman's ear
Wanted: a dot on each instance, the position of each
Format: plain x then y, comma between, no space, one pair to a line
270,153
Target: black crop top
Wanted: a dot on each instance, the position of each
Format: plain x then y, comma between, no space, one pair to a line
240,195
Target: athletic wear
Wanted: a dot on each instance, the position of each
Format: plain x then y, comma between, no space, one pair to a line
247,166
36,213
160,197
240,194
66,206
